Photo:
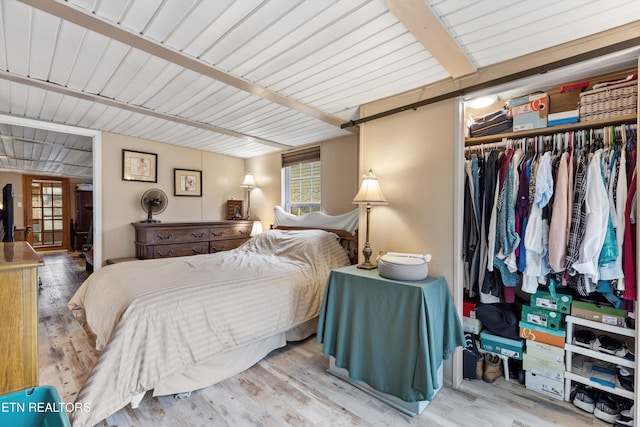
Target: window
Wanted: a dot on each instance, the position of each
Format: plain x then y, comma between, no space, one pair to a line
301,181
302,188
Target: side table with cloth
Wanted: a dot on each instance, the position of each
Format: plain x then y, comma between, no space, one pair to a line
390,334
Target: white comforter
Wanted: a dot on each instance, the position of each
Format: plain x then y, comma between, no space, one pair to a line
157,318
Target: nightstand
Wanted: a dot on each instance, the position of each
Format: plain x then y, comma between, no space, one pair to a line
389,337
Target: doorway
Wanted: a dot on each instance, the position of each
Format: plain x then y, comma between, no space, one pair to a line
46,212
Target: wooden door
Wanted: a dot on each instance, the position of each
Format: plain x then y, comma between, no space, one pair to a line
46,212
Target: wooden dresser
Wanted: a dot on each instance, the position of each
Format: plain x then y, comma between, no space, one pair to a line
19,313
173,239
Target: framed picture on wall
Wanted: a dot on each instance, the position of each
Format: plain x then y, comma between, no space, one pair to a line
187,182
139,166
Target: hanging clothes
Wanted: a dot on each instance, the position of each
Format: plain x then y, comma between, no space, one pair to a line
559,221
537,229
558,215
629,247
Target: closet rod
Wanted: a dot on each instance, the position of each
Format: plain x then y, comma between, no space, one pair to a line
511,140
490,145
541,69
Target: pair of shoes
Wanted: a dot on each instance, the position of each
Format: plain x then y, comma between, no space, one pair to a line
585,397
625,377
492,367
584,338
626,418
611,345
608,408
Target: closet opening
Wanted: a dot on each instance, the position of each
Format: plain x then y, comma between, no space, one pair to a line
548,262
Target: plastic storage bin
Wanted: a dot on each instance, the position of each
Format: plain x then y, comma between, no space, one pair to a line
33,407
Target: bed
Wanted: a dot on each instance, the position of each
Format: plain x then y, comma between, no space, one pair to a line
180,324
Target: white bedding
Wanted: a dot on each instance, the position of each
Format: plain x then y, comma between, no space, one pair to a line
156,319
347,221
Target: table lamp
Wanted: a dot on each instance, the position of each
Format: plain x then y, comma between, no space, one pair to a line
368,195
249,183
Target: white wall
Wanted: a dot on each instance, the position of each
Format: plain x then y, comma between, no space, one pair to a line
221,178
412,153
18,195
339,159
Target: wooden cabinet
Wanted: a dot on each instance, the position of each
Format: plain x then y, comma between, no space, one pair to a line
19,313
162,240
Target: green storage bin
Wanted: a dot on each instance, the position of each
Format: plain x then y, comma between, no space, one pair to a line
33,407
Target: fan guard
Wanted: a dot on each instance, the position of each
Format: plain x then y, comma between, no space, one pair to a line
153,202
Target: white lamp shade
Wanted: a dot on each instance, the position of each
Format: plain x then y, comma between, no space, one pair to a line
256,228
370,191
248,181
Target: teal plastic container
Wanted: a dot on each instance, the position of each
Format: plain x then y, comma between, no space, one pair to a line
33,407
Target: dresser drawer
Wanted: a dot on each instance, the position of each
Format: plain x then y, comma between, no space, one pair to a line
225,245
163,240
180,249
230,232
177,235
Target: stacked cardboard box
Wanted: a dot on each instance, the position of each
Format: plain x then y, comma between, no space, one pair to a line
599,313
470,323
529,112
543,327
501,345
544,366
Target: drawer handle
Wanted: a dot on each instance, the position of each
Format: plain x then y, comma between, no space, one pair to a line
214,249
198,251
218,234
166,254
161,237
194,234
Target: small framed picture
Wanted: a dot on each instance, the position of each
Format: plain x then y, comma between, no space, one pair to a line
187,182
139,166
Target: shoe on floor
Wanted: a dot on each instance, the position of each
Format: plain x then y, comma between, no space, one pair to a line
626,418
623,422
608,408
492,367
585,398
479,366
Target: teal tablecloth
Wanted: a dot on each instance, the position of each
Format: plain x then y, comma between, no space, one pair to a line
391,334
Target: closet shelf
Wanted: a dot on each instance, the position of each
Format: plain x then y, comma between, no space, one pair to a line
594,354
570,376
573,370
468,142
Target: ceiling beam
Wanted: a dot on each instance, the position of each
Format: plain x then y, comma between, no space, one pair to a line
419,19
113,31
63,90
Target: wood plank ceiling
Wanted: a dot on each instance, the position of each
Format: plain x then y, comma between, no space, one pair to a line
250,77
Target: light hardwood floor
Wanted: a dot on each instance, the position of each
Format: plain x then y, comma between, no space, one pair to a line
290,387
